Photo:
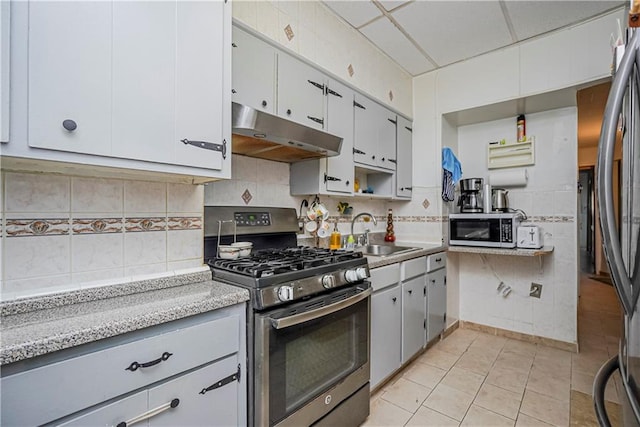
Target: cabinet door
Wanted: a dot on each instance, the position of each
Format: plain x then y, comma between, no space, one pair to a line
300,92
197,407
365,130
112,414
386,138
254,72
340,123
436,302
70,76
386,318
404,166
413,316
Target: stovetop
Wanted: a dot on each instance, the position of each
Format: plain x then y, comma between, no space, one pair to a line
272,262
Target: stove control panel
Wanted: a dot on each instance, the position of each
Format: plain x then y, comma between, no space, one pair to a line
355,275
328,281
252,219
285,293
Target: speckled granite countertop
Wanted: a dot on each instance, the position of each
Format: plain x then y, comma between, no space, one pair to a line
35,326
424,250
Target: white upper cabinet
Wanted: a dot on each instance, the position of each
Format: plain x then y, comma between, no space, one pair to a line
375,134
5,8
300,92
70,76
254,72
134,85
404,170
339,176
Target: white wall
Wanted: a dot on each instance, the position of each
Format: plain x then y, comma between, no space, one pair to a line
550,201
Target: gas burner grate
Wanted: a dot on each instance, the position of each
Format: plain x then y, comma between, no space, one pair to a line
270,262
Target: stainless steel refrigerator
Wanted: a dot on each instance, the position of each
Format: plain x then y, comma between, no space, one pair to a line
621,243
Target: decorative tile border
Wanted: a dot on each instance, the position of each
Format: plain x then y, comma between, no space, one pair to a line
185,223
551,218
76,226
37,227
97,225
145,224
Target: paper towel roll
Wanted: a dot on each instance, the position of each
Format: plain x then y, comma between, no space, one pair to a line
509,178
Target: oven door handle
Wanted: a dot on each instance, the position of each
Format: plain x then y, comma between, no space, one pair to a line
296,319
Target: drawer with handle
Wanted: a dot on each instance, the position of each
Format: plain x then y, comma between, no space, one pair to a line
436,261
51,391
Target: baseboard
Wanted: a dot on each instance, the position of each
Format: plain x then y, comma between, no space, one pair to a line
534,339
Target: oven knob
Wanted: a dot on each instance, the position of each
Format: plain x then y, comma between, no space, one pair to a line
355,275
285,293
328,281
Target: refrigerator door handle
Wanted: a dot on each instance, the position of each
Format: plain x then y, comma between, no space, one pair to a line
599,386
604,183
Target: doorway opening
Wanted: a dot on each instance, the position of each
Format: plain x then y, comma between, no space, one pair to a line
586,217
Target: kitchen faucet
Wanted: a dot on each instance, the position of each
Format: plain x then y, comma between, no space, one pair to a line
366,232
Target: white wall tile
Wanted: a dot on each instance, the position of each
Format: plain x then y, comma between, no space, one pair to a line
38,193
185,198
97,251
186,265
140,272
22,288
97,195
145,248
36,256
89,279
184,244
142,196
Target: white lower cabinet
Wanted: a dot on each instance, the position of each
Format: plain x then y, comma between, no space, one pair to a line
167,373
436,295
413,316
386,321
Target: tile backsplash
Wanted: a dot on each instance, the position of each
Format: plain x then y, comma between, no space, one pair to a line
64,233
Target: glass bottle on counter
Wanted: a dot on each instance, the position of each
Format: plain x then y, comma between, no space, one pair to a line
390,236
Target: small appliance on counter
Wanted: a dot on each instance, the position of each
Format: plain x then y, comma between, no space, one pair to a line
530,237
493,230
499,200
470,200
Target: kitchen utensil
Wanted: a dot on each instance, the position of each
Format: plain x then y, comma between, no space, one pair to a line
228,252
311,226
499,200
323,229
244,247
311,214
321,210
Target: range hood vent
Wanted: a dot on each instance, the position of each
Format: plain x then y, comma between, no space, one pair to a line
266,136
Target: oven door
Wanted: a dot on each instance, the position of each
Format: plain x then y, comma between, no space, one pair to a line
310,356
481,231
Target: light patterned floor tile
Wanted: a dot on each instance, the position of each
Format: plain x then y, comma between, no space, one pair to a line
549,384
438,358
406,394
463,380
514,361
544,408
498,400
449,401
522,347
383,413
525,420
508,379
426,375
476,361
426,417
481,417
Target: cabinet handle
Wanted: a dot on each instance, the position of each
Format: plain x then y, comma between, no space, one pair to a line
438,259
408,128
289,112
445,280
231,378
394,161
135,365
410,291
356,104
315,119
318,85
356,151
233,91
331,178
394,299
407,188
264,103
373,157
433,280
208,145
347,183
392,121
332,92
233,44
152,413
69,125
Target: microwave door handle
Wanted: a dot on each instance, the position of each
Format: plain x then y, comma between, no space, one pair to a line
604,182
296,319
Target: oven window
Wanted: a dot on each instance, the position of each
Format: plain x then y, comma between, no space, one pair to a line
307,359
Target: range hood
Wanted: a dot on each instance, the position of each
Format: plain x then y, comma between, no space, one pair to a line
266,136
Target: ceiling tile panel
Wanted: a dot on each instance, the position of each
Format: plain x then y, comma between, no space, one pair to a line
451,31
388,38
356,13
531,18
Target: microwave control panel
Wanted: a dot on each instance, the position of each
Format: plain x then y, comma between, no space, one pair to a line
506,231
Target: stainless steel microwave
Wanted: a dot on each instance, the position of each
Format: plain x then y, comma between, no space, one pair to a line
494,230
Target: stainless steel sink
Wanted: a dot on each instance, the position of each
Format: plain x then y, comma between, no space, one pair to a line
385,250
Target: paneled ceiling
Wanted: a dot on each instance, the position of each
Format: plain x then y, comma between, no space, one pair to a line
422,35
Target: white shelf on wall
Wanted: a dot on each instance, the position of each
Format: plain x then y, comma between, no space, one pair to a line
511,154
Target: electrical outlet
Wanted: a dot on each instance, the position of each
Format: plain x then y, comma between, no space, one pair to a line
536,290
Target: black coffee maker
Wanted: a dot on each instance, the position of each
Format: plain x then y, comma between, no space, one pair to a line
470,200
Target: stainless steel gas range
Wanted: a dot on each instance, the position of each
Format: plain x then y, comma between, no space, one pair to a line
309,320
